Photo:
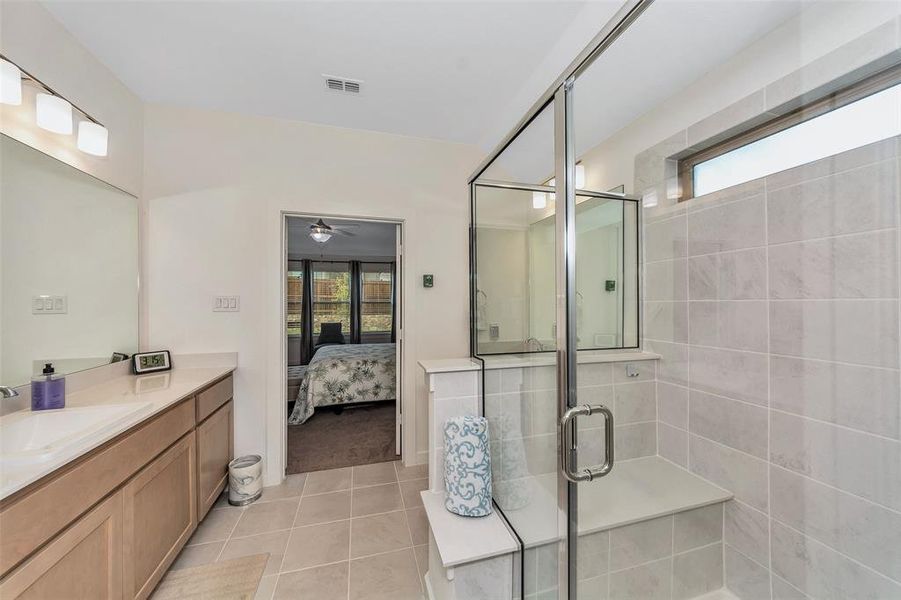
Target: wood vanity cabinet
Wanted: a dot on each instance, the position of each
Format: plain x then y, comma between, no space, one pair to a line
110,523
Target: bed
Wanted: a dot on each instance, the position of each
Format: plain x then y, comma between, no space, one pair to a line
346,374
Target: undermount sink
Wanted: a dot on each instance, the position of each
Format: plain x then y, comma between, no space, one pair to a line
34,436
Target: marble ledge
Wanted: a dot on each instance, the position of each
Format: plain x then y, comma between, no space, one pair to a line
513,361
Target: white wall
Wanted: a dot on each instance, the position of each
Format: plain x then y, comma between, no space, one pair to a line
38,43
216,184
64,233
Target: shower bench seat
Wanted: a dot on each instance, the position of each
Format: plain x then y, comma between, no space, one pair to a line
647,508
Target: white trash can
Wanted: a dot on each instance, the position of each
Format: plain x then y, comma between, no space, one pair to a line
245,480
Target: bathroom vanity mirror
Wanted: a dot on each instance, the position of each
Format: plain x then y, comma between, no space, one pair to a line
68,266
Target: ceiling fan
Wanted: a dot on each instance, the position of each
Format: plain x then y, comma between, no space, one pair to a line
320,232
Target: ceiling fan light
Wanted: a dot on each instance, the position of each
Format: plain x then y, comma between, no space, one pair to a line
10,83
54,114
320,236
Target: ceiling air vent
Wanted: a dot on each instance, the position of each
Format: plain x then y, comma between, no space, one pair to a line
341,84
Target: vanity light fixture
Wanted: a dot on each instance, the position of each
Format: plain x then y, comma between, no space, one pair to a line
10,83
92,138
54,113
539,199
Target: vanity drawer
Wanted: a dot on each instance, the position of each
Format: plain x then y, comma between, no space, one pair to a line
213,397
31,518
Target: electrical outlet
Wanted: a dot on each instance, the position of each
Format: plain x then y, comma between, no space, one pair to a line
49,305
226,303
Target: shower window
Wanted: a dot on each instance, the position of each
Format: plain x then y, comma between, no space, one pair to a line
855,116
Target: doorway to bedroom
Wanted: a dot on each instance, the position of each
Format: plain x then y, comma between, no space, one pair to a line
343,342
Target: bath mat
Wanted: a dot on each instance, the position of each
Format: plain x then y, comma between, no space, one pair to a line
233,579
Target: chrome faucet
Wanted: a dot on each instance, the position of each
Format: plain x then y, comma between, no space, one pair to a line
8,392
532,340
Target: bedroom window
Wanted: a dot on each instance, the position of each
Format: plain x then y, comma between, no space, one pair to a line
294,298
855,116
377,290
331,295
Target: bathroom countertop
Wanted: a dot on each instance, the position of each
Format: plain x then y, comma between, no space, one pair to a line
160,390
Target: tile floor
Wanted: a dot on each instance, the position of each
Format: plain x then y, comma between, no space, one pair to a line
349,534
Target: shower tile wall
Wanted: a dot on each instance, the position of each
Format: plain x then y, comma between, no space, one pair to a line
775,305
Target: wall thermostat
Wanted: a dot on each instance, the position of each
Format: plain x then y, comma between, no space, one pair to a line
428,280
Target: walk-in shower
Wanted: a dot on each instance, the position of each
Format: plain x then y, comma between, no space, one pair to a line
695,234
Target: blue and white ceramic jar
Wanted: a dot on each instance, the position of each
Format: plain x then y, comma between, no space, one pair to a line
467,466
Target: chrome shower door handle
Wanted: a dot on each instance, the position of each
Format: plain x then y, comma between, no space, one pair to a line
569,453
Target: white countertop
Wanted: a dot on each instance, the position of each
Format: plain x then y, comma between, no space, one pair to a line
536,359
160,390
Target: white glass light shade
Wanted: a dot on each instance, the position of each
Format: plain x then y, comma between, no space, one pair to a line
539,200
54,114
10,83
580,177
320,236
92,138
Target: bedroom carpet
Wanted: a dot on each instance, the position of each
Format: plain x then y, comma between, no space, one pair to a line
358,436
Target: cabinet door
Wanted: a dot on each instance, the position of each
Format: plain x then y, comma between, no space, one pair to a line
160,514
85,561
214,452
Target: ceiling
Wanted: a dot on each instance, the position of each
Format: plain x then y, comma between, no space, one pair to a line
441,69
369,240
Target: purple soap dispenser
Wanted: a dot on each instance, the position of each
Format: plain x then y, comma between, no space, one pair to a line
48,391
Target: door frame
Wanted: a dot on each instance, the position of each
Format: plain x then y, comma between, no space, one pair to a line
400,412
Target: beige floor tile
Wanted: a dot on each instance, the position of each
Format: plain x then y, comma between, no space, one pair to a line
419,525
291,487
319,583
266,587
316,545
414,472
266,516
323,508
194,556
379,533
222,501
421,553
333,480
217,526
267,543
391,576
410,492
374,474
376,499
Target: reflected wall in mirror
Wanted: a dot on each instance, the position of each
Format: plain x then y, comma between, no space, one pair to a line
68,266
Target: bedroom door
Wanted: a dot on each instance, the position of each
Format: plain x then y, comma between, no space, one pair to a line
399,338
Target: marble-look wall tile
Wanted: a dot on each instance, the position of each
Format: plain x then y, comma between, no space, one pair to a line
651,581
672,404
665,239
854,201
853,266
854,331
698,527
738,275
640,543
747,530
855,527
509,415
594,374
821,572
740,473
697,572
635,440
853,461
672,444
744,577
666,280
635,402
673,366
736,325
730,373
730,226
594,555
864,398
667,321
592,589
736,424
783,590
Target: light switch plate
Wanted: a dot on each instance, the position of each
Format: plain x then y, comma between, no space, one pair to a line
226,303
49,305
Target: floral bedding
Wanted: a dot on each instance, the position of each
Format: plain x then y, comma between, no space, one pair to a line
346,374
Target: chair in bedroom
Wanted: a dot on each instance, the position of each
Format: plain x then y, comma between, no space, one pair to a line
329,334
